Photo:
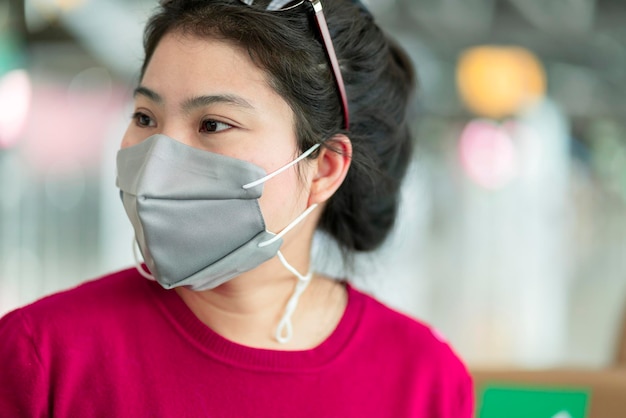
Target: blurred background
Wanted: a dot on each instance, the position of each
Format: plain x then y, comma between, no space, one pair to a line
511,237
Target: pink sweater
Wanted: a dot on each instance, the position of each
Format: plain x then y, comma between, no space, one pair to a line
122,346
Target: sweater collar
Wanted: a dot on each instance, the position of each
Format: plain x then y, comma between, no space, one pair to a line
223,350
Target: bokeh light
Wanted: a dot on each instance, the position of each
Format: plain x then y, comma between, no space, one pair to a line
88,105
15,101
41,13
499,81
488,155
11,56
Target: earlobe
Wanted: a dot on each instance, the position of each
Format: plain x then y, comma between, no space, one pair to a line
333,163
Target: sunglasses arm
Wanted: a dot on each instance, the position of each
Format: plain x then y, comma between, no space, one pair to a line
330,50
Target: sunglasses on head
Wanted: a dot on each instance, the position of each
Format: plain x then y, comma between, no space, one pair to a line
320,20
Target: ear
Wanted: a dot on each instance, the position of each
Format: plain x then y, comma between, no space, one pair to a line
332,166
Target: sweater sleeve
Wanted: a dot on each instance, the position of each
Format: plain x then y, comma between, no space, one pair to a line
466,403
456,386
462,390
23,384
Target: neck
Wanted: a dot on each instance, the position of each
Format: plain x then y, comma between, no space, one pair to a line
248,309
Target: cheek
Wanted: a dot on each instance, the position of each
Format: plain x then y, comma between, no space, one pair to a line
282,201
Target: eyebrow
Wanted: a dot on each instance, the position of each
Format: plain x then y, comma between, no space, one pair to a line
229,99
146,92
196,102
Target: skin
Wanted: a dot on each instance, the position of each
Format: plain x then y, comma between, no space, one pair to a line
208,94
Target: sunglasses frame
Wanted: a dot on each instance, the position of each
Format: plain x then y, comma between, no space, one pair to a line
322,26
320,19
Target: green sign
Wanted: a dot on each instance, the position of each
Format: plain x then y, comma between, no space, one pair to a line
532,402
10,52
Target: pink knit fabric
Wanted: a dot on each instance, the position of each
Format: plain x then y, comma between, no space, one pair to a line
122,346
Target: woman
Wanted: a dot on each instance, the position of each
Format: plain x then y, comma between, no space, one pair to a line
253,128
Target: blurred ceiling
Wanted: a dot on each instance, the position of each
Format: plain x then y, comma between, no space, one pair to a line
582,43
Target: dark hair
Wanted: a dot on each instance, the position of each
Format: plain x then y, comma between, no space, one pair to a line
379,83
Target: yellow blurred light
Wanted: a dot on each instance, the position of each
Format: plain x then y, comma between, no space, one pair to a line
67,5
50,9
498,81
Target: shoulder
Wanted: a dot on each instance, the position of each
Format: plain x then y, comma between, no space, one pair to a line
409,344
88,301
388,322
90,318
67,332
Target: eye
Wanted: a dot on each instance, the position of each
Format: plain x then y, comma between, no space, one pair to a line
213,126
142,120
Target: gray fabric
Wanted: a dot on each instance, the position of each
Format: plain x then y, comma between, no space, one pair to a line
194,223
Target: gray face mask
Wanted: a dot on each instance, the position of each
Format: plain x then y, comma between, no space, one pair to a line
195,213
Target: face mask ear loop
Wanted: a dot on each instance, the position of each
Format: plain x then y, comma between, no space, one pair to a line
288,227
280,170
284,331
138,265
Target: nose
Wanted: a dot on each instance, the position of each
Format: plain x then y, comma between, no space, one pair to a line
128,140
179,132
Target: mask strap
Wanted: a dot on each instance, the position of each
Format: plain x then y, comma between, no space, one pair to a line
284,331
283,168
288,227
138,265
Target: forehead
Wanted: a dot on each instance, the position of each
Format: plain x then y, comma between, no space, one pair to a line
185,64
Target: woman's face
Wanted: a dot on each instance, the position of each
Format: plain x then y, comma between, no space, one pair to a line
208,94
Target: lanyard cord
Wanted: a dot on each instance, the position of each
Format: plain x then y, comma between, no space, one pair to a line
138,265
284,330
